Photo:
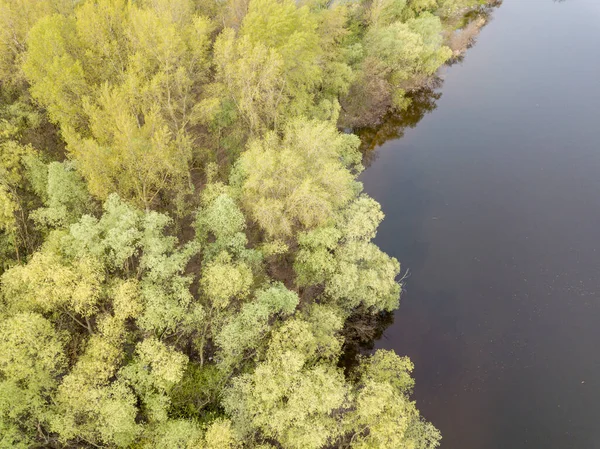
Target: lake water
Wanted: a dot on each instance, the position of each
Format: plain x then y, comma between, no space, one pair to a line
493,203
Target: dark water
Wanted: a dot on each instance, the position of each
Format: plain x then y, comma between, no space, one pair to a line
493,203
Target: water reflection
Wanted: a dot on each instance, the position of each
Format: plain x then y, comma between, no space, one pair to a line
395,124
424,100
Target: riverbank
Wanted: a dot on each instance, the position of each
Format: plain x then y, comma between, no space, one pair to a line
491,202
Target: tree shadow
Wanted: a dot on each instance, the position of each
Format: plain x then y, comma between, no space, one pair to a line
394,124
361,330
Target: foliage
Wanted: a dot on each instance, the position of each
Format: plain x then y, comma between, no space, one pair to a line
17,17
184,244
270,68
299,181
31,358
121,81
66,196
289,397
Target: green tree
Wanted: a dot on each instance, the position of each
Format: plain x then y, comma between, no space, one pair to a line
23,180
32,358
291,396
121,81
353,271
222,219
51,282
8,226
272,70
152,374
66,197
95,281
56,74
17,17
242,333
220,322
249,77
385,12
298,181
131,151
401,46
89,406
381,415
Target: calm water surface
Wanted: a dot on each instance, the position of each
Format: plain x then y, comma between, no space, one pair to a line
493,203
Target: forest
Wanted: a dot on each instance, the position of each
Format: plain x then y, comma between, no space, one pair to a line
186,252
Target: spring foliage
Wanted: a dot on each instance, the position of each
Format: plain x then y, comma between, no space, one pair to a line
182,234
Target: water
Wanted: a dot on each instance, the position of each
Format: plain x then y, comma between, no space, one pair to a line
493,203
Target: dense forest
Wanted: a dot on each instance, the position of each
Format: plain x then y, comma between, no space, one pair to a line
185,250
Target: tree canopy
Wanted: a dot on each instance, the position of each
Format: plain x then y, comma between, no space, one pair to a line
183,237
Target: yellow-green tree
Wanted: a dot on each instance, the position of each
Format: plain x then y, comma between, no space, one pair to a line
32,357
299,181
17,17
121,80
277,66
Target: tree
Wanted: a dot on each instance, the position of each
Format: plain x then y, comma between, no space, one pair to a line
381,415
402,48
222,219
224,280
385,12
56,75
88,405
66,197
8,226
298,398
243,332
95,281
132,151
291,396
250,77
219,322
152,374
352,271
291,32
298,181
17,17
364,275
32,358
134,244
121,82
22,177
273,69
51,282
